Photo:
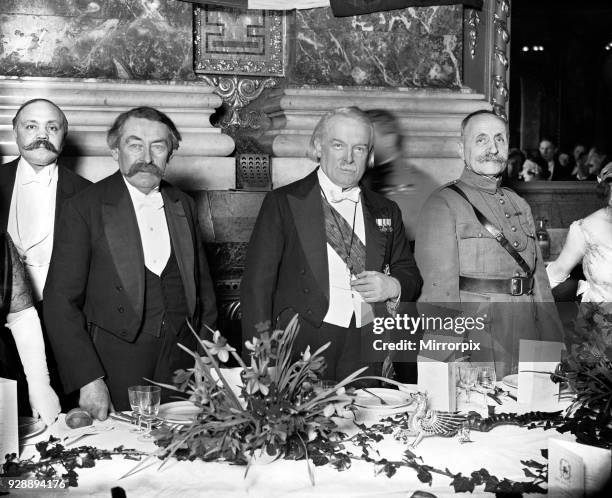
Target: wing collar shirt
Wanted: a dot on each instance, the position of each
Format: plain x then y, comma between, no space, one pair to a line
32,219
153,227
343,301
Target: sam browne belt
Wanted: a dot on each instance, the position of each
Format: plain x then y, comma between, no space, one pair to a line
515,286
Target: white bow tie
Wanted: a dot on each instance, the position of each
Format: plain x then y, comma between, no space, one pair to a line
152,200
350,194
44,180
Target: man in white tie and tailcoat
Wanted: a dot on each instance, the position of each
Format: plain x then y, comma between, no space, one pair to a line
128,269
325,248
33,189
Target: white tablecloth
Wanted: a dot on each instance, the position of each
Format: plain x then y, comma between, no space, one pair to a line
499,451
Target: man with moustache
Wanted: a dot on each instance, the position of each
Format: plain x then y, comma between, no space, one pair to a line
33,188
326,248
128,270
460,252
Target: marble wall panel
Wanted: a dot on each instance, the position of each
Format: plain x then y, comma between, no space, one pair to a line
119,39
414,47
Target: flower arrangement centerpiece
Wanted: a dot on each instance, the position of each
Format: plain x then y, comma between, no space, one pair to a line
277,410
588,371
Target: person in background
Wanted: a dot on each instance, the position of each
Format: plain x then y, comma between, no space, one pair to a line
128,272
403,183
596,160
17,308
532,171
582,168
548,160
516,159
578,153
33,189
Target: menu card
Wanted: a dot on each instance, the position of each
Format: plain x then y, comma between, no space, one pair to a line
537,360
576,470
9,437
439,380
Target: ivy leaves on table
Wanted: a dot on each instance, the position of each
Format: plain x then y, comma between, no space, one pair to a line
53,455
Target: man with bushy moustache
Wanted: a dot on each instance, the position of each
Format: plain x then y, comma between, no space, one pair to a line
460,238
128,270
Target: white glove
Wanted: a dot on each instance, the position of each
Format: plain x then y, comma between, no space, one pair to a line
26,330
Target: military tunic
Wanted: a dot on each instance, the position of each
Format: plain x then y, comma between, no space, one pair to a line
451,242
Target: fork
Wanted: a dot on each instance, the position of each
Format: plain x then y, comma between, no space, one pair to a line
382,401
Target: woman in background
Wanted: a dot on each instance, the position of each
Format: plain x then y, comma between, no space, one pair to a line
589,240
22,320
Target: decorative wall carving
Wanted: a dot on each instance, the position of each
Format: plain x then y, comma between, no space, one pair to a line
500,62
473,22
250,42
237,93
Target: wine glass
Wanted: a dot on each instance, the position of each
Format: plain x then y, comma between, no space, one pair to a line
135,404
149,398
468,375
486,379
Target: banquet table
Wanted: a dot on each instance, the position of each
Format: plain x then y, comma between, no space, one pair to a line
500,451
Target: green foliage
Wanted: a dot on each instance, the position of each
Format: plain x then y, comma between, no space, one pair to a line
588,371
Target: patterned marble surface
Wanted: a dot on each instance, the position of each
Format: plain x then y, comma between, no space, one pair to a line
414,47
123,39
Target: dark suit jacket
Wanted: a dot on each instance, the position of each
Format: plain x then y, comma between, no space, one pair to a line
68,184
286,263
97,273
560,173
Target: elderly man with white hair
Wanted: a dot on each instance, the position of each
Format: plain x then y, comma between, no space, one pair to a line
323,247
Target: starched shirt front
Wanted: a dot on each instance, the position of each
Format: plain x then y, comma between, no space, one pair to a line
152,226
31,220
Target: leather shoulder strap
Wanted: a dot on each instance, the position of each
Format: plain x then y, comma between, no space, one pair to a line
493,230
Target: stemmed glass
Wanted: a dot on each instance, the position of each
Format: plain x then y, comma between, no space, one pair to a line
468,375
149,398
135,404
487,379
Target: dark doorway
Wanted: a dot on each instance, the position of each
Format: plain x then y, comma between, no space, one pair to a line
561,73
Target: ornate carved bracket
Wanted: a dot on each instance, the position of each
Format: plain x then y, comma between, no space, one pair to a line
501,37
237,93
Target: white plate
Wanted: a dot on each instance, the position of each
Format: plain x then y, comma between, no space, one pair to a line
511,380
178,412
29,427
392,397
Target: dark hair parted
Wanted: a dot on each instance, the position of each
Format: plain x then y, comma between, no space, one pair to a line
321,128
114,133
33,101
604,190
479,112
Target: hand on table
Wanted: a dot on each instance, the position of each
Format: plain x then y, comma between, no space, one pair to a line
376,287
44,402
95,399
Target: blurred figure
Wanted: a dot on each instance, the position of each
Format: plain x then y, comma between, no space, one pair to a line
390,175
582,168
596,160
514,167
580,151
589,240
532,171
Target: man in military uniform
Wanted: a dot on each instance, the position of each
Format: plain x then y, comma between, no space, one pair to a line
460,254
